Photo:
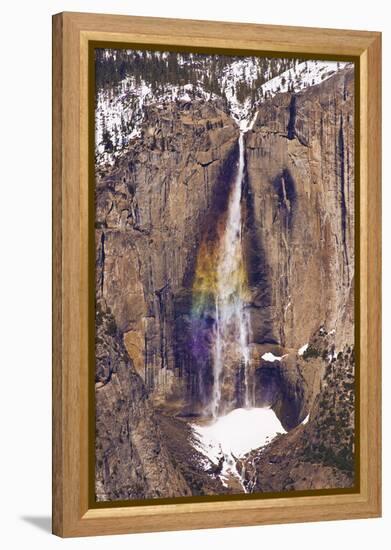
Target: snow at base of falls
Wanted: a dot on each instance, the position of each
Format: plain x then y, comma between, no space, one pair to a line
234,435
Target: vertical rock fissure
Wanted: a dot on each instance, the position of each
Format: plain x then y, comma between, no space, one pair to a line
292,118
102,278
341,151
162,316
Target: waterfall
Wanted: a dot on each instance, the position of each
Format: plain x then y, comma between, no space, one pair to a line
232,323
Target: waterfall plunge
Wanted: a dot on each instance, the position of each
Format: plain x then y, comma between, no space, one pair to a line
221,273
232,327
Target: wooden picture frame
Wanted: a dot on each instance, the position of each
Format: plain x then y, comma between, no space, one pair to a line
72,513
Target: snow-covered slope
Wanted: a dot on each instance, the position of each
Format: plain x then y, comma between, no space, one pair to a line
246,71
120,110
308,73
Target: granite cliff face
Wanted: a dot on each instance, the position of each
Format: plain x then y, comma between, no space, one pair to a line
151,209
319,453
300,189
301,202
132,460
156,207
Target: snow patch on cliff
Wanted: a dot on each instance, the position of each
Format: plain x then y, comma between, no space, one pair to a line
303,349
271,357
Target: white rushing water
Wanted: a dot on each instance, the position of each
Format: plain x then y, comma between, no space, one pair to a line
232,318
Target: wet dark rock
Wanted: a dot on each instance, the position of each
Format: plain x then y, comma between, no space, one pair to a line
320,453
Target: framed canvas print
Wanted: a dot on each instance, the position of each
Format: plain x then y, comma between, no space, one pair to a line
216,192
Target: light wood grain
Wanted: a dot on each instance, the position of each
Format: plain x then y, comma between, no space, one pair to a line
71,34
58,467
372,259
